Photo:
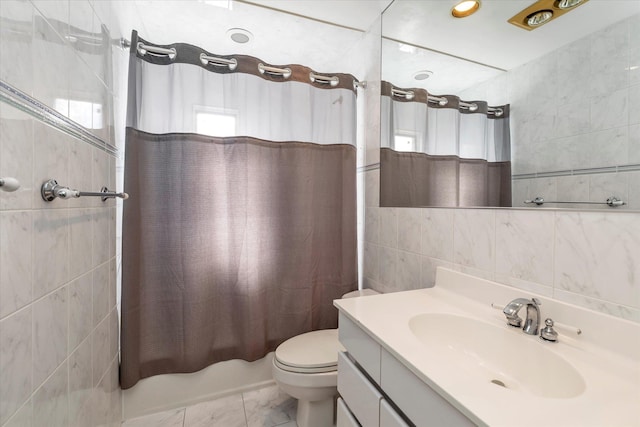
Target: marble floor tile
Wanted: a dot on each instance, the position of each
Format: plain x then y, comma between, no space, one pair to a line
224,412
265,407
173,418
269,407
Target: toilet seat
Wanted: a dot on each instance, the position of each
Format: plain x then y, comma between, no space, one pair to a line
310,353
306,368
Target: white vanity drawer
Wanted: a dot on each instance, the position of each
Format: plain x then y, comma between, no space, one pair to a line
361,346
362,397
419,402
344,418
389,417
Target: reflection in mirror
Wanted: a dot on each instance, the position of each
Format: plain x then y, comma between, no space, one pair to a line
442,151
66,54
81,99
573,87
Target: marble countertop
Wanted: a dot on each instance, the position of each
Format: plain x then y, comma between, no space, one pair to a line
606,354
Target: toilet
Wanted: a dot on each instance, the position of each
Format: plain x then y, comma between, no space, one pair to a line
306,368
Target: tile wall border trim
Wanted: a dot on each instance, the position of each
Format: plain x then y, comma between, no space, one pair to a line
585,171
48,115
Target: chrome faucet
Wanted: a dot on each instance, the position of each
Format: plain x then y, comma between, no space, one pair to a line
533,314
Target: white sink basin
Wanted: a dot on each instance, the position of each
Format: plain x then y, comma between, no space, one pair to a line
503,356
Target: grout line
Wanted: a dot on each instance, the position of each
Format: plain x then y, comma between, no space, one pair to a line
553,254
495,244
244,410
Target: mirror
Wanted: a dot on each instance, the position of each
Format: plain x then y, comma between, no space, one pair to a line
572,85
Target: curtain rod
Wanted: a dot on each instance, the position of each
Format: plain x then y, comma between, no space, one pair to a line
442,101
232,63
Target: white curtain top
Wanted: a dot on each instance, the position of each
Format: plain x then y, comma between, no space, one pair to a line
178,92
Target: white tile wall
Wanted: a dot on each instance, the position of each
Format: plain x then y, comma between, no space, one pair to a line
364,59
474,236
58,323
586,258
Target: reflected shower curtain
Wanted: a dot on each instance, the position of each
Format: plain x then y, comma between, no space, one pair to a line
240,228
442,154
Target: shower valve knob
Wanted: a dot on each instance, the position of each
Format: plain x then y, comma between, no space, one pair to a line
9,184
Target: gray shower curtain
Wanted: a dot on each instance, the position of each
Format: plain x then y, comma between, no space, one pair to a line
240,228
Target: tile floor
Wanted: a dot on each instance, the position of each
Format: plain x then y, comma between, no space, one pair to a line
265,407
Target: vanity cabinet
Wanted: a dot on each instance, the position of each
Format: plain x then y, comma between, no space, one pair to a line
344,417
389,417
373,383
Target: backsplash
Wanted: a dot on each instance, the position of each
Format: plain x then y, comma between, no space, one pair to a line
585,258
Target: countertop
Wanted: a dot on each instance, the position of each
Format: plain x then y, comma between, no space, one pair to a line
606,354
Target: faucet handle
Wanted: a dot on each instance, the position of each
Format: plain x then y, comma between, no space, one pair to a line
548,333
511,312
514,321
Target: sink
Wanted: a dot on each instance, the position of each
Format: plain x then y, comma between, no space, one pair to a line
501,356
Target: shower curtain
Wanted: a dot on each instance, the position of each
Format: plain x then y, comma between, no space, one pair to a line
240,228
436,151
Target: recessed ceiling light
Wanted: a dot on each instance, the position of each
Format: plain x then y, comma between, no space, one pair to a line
240,35
539,17
406,48
568,4
227,4
423,75
465,8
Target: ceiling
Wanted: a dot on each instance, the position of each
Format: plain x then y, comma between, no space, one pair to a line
422,34
278,38
428,32
451,75
486,37
358,14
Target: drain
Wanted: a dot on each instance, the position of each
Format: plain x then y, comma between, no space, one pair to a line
498,382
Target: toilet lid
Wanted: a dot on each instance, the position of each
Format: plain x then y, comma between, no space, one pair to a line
315,351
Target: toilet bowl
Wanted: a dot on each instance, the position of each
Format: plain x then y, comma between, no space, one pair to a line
306,368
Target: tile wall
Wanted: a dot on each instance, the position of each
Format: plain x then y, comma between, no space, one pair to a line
363,62
58,318
585,100
585,258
